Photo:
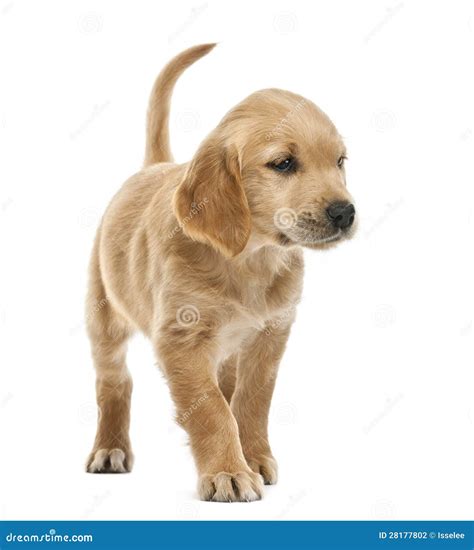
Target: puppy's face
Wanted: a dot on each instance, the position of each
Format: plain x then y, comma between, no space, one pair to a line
293,173
273,167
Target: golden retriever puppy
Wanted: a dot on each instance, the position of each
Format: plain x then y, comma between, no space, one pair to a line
205,258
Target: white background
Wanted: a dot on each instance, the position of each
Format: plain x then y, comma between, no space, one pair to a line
373,415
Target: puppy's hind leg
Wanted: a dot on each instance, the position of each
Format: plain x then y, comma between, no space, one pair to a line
108,334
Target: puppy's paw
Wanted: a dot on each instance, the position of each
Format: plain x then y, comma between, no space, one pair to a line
109,461
266,466
225,487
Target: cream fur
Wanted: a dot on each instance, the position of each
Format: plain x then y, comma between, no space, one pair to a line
196,257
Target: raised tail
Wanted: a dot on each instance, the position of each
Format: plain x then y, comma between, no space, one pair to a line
157,133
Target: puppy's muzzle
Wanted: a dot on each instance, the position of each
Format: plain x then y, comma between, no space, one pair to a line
341,214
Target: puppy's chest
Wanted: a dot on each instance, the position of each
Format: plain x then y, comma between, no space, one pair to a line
250,314
256,301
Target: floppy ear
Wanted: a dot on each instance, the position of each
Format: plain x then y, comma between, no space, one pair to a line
210,202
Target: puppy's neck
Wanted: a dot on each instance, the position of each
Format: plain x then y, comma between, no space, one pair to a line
262,253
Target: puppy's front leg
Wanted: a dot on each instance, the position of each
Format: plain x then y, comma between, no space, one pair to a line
256,376
204,413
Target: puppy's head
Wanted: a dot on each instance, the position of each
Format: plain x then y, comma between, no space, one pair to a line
273,167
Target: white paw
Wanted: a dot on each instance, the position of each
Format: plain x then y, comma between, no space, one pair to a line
225,487
105,461
266,466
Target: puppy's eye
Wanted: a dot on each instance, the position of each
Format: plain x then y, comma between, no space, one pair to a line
340,161
286,165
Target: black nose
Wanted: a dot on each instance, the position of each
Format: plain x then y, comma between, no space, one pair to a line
341,214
